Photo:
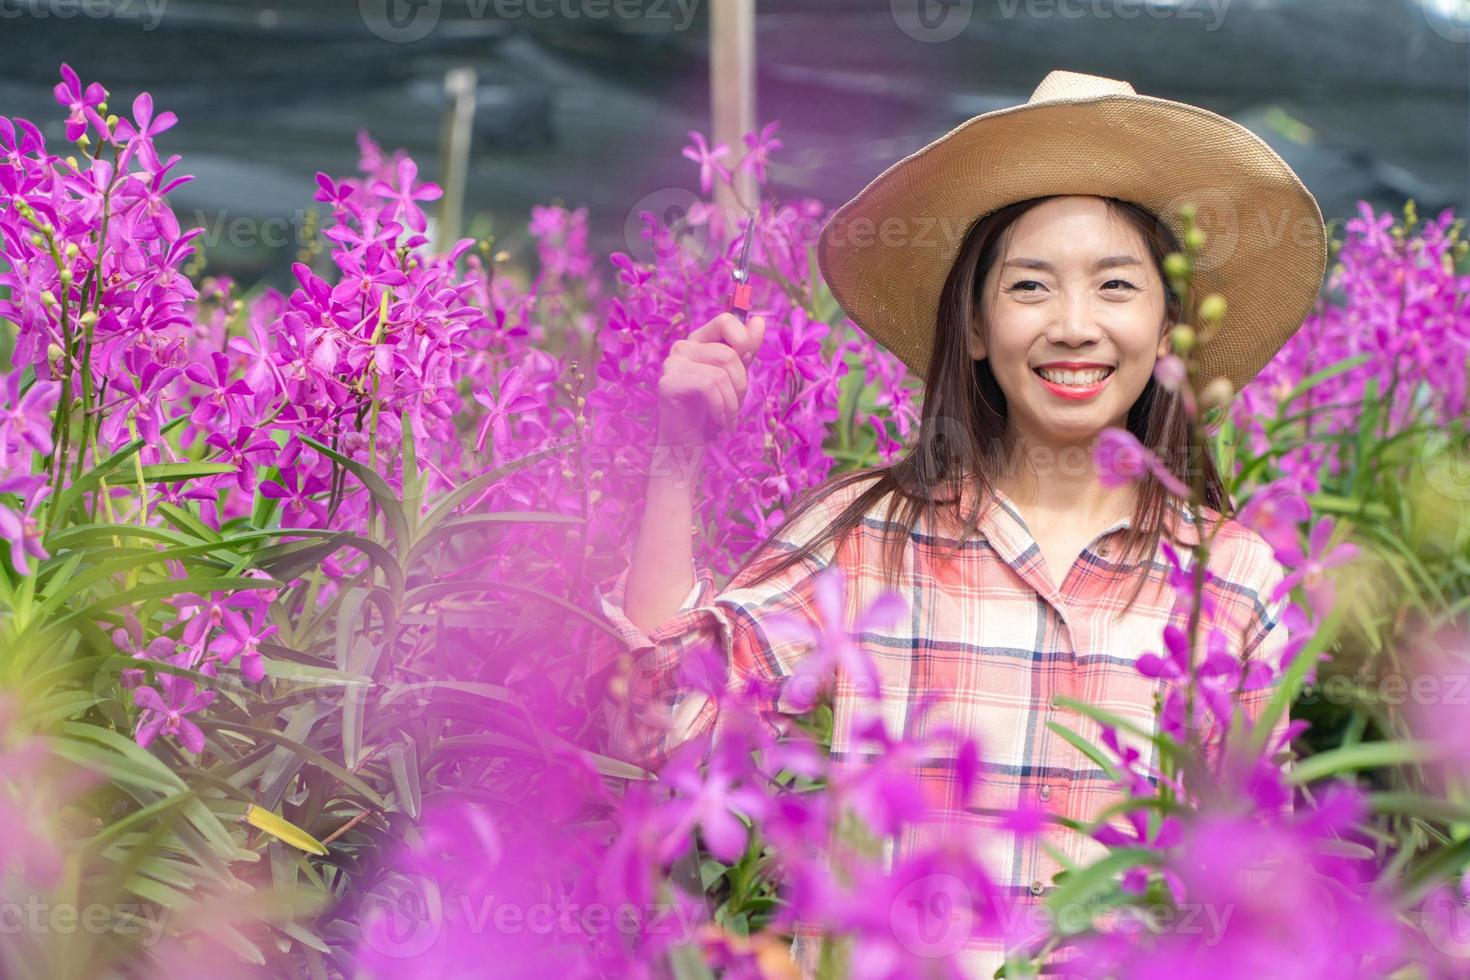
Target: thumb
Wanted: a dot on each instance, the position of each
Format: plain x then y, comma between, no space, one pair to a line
755,332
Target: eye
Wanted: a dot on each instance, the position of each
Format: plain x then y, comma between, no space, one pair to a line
1125,282
1016,286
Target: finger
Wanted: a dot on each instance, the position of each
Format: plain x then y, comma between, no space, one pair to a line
720,355
703,383
721,391
692,385
754,336
724,328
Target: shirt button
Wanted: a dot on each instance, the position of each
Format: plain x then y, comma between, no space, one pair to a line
1045,792
1054,703
1037,887
1104,548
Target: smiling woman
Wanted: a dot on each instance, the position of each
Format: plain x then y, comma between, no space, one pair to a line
1019,561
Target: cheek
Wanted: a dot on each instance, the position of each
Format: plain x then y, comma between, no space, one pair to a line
1009,344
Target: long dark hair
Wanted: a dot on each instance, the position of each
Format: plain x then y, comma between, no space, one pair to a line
962,428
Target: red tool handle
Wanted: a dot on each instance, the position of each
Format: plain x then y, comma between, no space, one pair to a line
740,301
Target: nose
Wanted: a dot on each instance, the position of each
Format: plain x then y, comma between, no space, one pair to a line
1076,324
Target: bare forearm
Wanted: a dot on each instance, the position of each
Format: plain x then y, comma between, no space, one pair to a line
662,570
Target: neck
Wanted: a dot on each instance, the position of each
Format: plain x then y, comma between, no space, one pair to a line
1051,479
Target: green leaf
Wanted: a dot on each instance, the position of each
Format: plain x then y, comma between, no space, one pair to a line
1423,807
1331,371
88,481
484,481
311,755
1088,749
135,821
1105,717
449,529
119,769
156,590
1079,888
386,499
1329,503
1290,683
282,829
185,521
1364,755
403,762
179,472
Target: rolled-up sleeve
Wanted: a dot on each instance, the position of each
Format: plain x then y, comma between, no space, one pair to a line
656,685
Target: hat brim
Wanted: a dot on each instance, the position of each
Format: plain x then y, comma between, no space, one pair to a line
886,253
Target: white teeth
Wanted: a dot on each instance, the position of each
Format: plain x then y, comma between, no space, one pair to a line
1078,378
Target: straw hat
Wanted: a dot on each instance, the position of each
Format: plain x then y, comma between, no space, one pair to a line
886,253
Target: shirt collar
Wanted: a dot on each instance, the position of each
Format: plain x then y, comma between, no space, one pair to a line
1003,524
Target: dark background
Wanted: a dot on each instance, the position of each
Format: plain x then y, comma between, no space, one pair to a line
1364,98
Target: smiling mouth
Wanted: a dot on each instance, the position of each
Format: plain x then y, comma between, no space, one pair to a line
1072,378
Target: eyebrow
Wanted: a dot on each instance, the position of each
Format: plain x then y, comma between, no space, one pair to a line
1110,262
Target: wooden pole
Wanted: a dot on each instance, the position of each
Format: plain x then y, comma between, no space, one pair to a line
732,92
454,152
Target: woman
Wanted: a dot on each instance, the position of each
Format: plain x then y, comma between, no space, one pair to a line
1016,264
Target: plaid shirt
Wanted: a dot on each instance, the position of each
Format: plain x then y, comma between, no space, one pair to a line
992,634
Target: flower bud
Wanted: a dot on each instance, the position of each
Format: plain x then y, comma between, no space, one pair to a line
111,122
1182,338
54,354
1188,211
1176,265
1195,239
1170,372
88,319
66,277
1212,308
48,298
71,162
1217,392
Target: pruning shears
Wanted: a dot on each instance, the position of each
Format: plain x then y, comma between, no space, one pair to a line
739,302
740,293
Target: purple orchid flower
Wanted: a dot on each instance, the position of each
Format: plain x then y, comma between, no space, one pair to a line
167,713
511,400
713,798
138,133
1310,568
80,104
761,146
1120,459
708,160
27,422
403,196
